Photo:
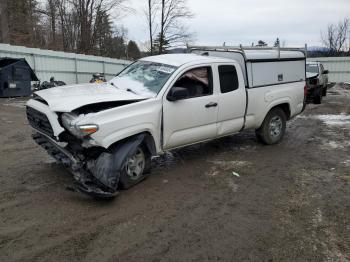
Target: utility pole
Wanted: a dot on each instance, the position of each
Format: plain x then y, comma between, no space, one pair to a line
150,24
161,38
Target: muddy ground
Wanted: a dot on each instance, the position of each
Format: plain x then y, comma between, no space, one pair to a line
291,202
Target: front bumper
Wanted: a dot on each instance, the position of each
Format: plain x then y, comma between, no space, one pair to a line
84,182
57,151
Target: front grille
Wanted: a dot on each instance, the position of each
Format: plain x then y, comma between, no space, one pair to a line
39,121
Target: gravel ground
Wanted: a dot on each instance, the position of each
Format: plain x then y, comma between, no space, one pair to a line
232,199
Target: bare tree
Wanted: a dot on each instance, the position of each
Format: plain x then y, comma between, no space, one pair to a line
151,14
50,12
336,36
88,12
4,28
171,30
82,26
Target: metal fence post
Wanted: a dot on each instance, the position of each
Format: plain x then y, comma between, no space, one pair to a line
76,71
34,64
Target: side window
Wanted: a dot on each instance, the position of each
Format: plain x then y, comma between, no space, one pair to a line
197,81
228,78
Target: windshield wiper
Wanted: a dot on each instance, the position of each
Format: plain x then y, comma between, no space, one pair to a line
129,90
114,85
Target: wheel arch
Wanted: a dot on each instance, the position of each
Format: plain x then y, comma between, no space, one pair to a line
147,141
285,107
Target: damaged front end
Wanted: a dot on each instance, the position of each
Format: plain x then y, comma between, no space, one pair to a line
96,171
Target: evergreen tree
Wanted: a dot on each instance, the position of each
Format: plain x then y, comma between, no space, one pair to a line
133,50
277,42
261,43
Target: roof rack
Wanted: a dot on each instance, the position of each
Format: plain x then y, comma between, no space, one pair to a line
242,49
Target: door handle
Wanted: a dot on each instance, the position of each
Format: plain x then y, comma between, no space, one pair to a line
212,104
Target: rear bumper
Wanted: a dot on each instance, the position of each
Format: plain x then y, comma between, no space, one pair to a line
311,90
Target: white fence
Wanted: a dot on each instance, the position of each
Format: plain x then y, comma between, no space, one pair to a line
68,67
339,67
75,68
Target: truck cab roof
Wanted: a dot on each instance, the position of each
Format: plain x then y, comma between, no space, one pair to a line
181,59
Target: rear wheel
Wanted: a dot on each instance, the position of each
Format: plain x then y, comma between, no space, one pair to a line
136,168
324,91
273,128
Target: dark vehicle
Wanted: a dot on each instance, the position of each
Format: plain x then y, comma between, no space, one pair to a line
317,80
15,77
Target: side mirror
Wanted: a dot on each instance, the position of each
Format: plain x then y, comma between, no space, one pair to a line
325,72
177,93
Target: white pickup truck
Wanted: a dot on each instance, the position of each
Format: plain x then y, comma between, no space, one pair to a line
107,133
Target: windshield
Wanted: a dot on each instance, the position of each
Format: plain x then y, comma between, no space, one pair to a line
144,78
311,68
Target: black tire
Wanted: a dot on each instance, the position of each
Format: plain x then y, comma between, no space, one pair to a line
126,180
270,132
318,96
324,91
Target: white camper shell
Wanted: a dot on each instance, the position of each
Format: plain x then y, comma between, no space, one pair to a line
262,66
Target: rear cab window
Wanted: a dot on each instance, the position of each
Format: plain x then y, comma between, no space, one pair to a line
228,78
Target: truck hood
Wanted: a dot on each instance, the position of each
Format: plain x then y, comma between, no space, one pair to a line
311,75
69,98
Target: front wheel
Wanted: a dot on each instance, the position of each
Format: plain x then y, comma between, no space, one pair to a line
136,167
273,128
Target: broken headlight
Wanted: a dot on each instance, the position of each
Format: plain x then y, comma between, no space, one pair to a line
70,121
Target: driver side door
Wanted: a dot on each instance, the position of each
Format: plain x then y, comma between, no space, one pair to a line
194,118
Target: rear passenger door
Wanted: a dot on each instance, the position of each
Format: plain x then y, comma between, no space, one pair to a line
231,99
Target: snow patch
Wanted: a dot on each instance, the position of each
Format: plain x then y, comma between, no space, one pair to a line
230,164
331,120
335,120
335,145
346,163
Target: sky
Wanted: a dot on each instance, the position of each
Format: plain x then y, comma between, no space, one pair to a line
235,22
